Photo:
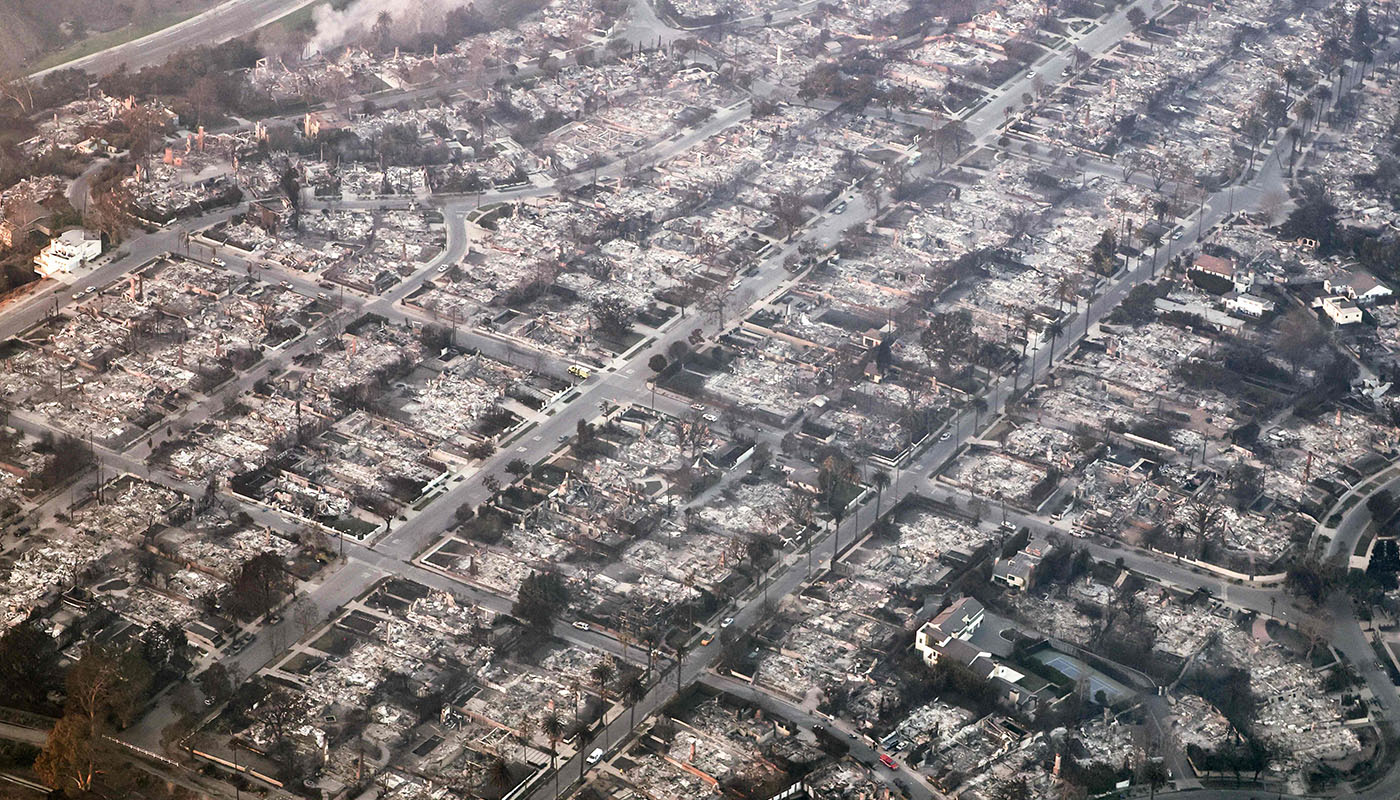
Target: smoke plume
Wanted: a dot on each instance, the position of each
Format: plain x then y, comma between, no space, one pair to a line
407,19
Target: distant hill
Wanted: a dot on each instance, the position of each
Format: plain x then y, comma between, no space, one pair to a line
34,30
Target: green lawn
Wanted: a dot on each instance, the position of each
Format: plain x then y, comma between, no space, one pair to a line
101,41
301,17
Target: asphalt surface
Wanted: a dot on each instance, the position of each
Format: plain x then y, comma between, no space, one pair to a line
19,733
365,565
625,381
862,749
228,20
1355,521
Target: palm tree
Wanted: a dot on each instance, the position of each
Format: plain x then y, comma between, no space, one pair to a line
837,475
838,514
1154,774
634,689
1321,97
624,636
498,774
979,405
758,552
651,637
1027,317
381,30
680,662
552,726
1054,329
581,736
1292,76
602,673
689,582
523,734
1294,134
880,479
799,508
1064,291
1153,239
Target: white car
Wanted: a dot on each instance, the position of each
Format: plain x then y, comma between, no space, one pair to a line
727,622
946,435
583,626
595,756
218,262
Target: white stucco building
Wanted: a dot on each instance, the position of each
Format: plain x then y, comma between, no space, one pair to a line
67,252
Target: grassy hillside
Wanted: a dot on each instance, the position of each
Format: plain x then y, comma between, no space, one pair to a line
35,34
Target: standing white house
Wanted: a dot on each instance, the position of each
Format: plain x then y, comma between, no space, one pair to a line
68,251
1356,285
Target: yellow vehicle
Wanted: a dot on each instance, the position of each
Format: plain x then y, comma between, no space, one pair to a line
579,372
708,638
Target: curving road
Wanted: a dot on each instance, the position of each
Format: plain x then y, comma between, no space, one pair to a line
228,20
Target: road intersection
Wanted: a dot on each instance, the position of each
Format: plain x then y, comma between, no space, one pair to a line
623,382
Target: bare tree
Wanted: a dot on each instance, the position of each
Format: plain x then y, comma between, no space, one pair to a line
306,614
19,89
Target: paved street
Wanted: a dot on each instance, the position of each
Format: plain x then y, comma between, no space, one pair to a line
625,380
1355,520
227,20
861,747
